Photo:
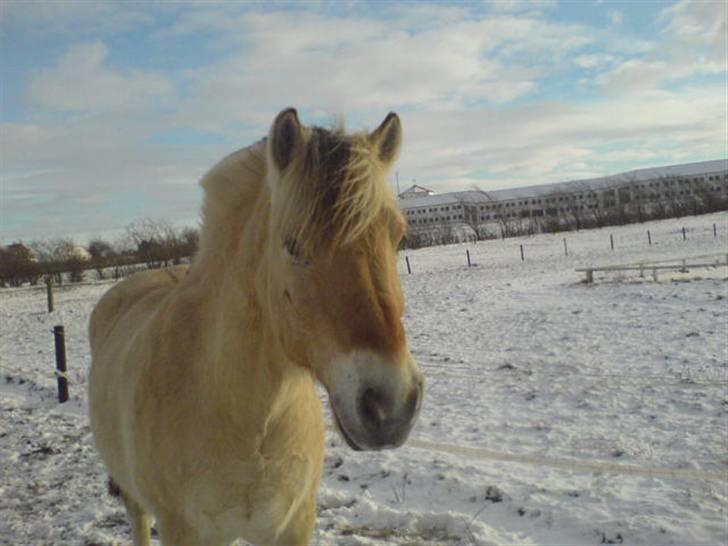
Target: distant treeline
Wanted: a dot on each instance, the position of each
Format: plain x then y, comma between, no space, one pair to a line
145,244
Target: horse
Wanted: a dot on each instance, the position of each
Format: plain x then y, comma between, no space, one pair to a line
202,387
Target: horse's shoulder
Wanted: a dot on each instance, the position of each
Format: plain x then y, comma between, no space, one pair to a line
152,284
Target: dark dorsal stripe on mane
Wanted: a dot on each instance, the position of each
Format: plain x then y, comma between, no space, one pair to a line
333,190
326,162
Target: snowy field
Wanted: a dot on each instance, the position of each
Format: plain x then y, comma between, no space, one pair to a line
556,412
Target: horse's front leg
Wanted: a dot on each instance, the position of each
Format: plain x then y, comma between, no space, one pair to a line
300,528
175,531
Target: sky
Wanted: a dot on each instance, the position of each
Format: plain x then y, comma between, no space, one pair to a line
111,112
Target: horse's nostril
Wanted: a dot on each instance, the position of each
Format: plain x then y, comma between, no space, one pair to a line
414,400
373,408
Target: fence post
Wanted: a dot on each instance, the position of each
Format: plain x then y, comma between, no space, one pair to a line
409,269
60,341
49,293
715,231
684,235
611,240
649,237
566,249
522,258
467,253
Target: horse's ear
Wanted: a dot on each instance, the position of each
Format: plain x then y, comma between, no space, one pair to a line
285,137
388,138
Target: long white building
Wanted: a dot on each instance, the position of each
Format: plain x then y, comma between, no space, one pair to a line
631,196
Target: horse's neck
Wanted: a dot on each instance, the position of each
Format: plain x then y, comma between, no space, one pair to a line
229,282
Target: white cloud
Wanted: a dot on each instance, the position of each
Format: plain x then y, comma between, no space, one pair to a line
360,65
594,60
50,174
547,142
615,17
699,23
81,82
692,43
455,78
512,6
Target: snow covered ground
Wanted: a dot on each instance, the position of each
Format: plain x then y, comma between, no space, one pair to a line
556,412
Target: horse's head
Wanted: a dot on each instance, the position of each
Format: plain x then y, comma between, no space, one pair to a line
334,232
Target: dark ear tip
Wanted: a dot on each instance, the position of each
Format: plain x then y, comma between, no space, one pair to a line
285,135
387,137
287,112
391,118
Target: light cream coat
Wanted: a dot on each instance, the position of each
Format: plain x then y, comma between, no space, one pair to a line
202,386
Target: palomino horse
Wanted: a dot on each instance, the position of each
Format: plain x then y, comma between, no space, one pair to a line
202,389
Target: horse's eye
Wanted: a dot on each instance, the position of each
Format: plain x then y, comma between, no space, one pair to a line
294,251
291,246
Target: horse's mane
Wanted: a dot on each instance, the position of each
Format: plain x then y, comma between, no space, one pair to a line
333,192
334,189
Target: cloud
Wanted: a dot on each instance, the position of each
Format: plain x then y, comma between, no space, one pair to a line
594,60
691,43
512,6
367,65
73,17
615,17
702,26
50,174
465,84
81,81
547,142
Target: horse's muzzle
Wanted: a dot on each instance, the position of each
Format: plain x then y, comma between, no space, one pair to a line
381,417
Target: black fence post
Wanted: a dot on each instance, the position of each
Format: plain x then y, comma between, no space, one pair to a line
649,237
49,292
522,258
60,340
611,240
566,249
684,235
467,253
409,269
715,231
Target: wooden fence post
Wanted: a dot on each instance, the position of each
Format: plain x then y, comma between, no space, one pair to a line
49,293
409,269
60,341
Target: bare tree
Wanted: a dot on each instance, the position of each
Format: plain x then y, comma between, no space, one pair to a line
149,239
102,254
18,265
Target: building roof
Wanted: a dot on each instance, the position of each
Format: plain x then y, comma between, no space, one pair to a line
414,189
590,184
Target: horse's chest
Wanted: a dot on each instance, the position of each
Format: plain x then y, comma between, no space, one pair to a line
251,497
